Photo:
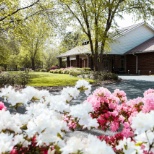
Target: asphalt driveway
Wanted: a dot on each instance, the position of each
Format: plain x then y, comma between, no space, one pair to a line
134,86
138,77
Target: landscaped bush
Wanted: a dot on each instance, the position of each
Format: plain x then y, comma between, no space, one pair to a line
1,69
86,73
48,124
71,70
104,76
14,79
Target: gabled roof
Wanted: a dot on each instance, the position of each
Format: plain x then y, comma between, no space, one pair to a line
84,49
147,46
125,30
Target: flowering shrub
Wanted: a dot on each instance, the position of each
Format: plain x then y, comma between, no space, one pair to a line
49,120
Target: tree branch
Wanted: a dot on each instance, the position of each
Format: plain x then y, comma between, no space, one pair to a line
19,9
77,19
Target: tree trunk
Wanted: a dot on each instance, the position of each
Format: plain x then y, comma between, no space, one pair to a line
96,63
33,63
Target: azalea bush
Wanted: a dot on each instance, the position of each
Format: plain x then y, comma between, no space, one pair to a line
71,70
49,123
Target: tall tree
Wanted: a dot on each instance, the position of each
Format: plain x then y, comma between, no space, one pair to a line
71,40
97,17
32,36
50,58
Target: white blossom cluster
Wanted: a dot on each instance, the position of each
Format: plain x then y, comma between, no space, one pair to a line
84,86
44,117
143,122
81,112
89,145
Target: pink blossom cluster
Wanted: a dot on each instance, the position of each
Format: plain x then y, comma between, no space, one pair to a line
115,113
2,106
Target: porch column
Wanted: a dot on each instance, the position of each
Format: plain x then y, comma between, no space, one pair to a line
77,61
137,65
60,62
68,61
84,60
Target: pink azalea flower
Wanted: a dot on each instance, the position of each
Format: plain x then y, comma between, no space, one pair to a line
13,151
148,103
148,92
2,106
114,126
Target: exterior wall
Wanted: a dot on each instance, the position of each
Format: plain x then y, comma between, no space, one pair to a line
145,63
82,63
118,64
131,64
73,63
131,39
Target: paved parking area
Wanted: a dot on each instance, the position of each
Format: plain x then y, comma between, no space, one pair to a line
134,86
138,77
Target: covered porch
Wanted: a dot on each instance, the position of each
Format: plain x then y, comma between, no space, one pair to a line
110,63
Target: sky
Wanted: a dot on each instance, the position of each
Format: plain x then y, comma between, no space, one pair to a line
127,21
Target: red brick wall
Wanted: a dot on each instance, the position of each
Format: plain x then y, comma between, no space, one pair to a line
73,63
146,63
117,62
131,64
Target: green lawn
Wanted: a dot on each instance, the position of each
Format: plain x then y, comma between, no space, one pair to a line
48,79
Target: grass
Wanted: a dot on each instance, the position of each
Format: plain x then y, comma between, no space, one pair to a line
39,79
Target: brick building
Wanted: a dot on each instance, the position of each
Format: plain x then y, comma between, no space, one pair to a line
132,51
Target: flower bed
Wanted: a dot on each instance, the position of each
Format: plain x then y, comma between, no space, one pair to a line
48,120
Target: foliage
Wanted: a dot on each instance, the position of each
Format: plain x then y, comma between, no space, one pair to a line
45,125
13,79
49,58
86,73
32,39
71,70
24,28
101,76
71,40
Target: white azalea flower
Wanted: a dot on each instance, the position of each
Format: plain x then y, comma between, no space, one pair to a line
143,122
35,109
86,145
5,91
47,126
81,111
96,146
6,142
128,146
8,121
70,93
146,139
58,103
83,85
73,145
